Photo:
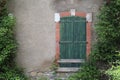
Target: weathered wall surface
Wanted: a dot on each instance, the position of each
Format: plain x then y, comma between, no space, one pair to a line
35,28
35,32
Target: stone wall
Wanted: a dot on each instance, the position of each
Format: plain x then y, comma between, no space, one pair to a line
35,28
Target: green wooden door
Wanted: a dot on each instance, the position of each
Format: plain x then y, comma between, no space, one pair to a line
72,39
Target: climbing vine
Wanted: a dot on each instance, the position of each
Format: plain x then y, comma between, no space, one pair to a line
8,46
105,53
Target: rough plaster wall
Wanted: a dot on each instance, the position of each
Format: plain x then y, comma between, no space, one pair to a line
35,28
35,32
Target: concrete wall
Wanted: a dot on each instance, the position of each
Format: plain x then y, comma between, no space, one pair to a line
35,28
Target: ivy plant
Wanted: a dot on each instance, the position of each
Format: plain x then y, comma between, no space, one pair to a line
104,54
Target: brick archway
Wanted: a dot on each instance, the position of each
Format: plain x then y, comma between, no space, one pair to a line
88,33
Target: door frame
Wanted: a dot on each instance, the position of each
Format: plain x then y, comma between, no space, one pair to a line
88,33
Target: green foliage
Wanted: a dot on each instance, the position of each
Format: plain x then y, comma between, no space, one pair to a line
88,72
8,46
54,67
8,21
3,8
104,54
12,74
43,78
114,73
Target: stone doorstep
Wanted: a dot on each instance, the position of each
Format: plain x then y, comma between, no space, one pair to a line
71,61
67,70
